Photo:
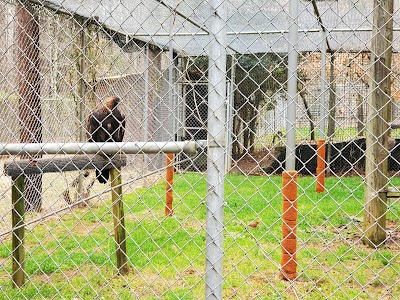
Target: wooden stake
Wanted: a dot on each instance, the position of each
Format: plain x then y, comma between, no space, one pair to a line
18,234
119,221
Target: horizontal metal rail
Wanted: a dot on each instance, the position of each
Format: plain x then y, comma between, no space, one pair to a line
188,147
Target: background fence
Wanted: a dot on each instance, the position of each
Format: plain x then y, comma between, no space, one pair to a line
220,71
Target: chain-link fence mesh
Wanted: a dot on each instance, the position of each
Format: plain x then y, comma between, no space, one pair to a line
219,73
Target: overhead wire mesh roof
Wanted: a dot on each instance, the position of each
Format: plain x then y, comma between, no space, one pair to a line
256,26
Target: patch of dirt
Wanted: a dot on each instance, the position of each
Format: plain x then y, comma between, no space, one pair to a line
353,234
393,234
252,164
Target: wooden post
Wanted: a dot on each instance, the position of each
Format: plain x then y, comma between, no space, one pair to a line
18,213
30,112
378,117
169,178
119,222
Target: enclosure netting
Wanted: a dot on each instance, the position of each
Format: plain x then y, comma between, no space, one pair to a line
153,55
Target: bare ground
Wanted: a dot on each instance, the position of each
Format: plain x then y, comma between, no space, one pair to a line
252,164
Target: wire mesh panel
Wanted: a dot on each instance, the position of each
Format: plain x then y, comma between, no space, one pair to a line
283,120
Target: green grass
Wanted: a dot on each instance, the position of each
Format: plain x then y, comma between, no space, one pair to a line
74,257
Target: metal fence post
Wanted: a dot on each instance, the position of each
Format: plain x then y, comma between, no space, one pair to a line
81,95
146,104
292,88
216,151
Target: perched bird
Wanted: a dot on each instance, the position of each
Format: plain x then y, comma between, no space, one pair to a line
106,123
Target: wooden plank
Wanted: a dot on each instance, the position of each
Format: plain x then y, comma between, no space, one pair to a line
18,232
392,192
392,195
75,163
119,221
391,189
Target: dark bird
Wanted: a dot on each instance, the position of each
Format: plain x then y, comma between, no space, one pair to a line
106,123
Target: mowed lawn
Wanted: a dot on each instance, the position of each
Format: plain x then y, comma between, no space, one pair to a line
72,256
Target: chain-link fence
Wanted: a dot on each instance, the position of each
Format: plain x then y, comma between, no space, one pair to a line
292,107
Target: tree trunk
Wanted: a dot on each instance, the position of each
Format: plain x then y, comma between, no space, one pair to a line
360,115
246,140
244,113
309,116
30,113
254,113
235,143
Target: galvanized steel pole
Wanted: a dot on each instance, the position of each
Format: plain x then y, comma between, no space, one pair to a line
216,150
189,147
292,87
230,112
146,103
322,107
82,92
171,111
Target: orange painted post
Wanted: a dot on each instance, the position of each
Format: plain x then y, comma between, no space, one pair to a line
289,223
321,150
169,176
